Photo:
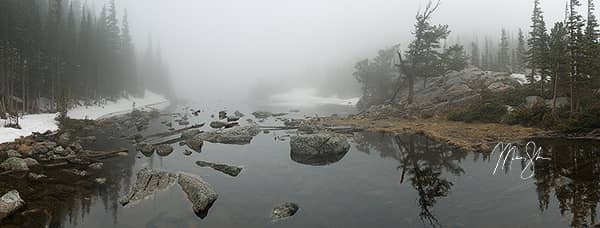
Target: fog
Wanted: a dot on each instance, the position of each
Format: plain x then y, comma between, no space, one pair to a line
224,49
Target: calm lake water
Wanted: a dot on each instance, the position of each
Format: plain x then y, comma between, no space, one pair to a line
383,181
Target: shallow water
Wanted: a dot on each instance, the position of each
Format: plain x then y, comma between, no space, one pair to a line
383,181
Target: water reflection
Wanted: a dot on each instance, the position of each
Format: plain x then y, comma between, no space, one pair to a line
317,159
422,163
573,177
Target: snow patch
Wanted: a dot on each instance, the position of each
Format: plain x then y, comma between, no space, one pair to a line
119,107
307,97
46,122
29,124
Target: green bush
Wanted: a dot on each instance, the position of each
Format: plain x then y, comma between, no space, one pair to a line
489,112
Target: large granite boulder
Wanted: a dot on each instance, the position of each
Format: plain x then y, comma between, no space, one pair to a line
10,203
236,135
147,183
318,149
200,193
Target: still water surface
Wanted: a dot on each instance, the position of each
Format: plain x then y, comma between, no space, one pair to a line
383,181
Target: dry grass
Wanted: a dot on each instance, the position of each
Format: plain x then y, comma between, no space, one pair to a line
480,137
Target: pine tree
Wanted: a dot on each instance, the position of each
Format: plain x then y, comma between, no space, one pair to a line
475,55
503,53
128,58
575,46
538,47
521,53
590,67
422,54
558,60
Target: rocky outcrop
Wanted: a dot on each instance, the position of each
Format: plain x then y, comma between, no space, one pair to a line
284,211
147,183
318,149
200,193
10,203
226,169
446,92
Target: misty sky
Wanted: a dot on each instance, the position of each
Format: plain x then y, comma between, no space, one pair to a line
225,46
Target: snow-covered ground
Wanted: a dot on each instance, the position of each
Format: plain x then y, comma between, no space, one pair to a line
308,97
29,124
46,122
121,106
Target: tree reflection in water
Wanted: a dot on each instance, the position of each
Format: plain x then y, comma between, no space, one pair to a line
573,173
422,162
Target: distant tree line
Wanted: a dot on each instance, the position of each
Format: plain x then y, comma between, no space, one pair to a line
56,52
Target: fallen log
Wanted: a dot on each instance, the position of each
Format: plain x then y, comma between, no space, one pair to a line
170,133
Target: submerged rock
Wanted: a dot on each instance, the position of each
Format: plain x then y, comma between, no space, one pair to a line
147,183
9,203
318,149
284,210
200,193
226,169
164,150
262,114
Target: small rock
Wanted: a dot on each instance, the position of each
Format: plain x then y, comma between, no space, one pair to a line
76,147
146,149
96,166
76,172
218,124
10,203
164,150
35,176
233,119
187,152
100,180
195,144
13,153
238,114
222,115
64,138
283,211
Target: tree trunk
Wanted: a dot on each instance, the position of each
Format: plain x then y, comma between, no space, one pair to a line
555,90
